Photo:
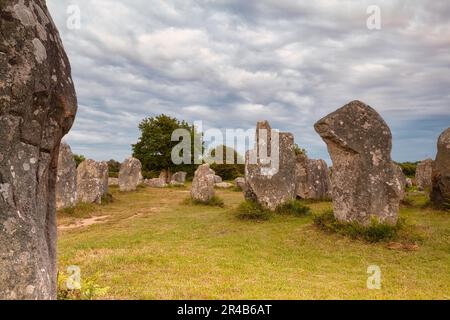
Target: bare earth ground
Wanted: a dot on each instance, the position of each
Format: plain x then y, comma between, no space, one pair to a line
148,245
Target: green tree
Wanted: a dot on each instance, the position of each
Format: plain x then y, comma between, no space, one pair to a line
409,168
79,158
225,170
113,168
154,148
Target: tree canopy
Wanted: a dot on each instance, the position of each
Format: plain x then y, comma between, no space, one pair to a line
154,148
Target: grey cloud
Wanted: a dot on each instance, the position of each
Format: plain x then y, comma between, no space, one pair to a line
231,63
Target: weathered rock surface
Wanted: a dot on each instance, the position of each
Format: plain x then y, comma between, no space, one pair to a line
130,174
179,177
37,108
104,177
165,176
364,182
155,183
424,173
203,184
409,182
66,180
218,179
268,183
401,178
113,181
240,183
312,179
223,185
91,181
440,195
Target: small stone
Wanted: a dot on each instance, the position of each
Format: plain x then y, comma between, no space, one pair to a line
130,175
203,184
66,181
424,172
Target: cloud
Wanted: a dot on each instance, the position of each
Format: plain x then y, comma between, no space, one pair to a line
232,63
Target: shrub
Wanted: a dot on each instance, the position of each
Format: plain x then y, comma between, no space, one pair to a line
213,202
375,232
250,210
294,207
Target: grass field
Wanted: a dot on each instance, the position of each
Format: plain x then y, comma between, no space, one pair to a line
149,244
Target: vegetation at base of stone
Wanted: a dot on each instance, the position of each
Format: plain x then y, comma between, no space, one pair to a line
375,232
409,168
83,210
79,158
155,145
293,207
113,168
299,151
225,169
107,199
250,210
89,290
213,202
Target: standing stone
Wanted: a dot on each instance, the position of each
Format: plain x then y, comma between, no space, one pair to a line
90,182
155,183
130,175
312,179
203,184
409,182
218,179
66,180
104,177
364,183
179,177
113,182
165,176
424,172
37,108
268,183
240,183
401,178
440,195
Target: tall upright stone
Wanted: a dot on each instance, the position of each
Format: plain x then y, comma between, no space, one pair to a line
440,194
203,184
312,179
269,182
364,183
104,177
91,182
402,180
37,108
130,175
424,173
66,181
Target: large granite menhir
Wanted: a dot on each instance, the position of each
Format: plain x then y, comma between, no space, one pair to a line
130,175
92,181
364,181
203,184
66,182
270,184
424,173
312,179
37,108
440,194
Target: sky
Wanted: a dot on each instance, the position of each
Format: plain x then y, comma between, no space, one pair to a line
233,63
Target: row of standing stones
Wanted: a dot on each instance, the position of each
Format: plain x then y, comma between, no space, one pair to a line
37,108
